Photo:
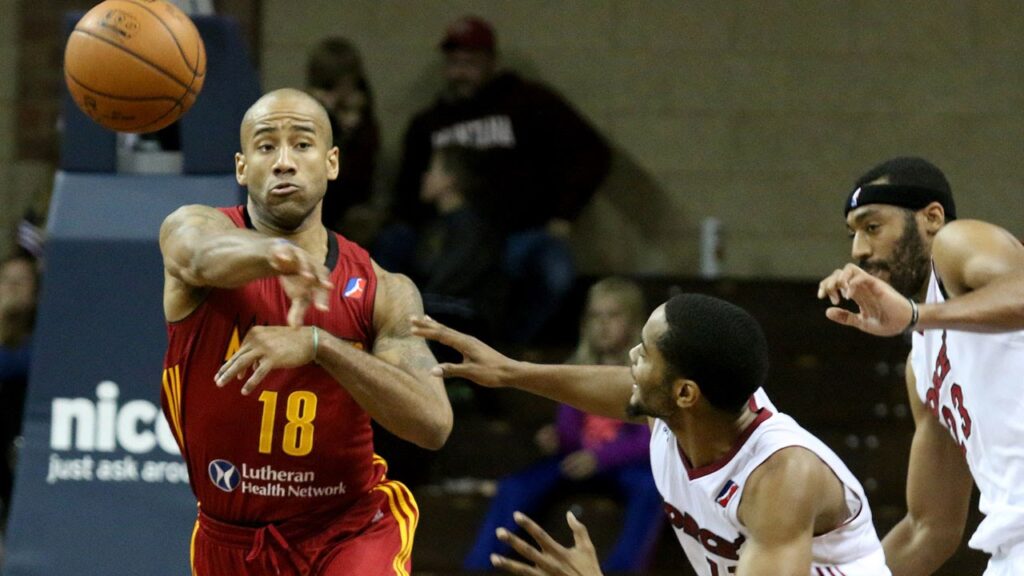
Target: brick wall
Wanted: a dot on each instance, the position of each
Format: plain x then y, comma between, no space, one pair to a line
759,113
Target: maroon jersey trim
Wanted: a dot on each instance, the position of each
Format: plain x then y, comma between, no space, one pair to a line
695,473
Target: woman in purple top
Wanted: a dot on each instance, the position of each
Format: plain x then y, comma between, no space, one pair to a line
589,449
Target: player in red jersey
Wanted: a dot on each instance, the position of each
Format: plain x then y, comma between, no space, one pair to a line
264,298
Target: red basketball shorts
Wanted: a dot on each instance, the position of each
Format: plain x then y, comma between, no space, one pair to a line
378,543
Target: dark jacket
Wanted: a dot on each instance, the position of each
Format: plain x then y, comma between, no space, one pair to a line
546,160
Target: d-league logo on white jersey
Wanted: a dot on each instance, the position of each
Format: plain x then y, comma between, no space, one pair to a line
702,503
727,492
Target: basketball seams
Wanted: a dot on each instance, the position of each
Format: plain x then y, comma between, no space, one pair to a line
134,55
177,104
194,69
200,55
115,97
135,100
157,119
174,37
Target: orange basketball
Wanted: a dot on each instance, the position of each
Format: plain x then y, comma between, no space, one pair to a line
135,65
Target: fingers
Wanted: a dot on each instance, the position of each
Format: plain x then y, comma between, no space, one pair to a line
837,285
522,547
235,367
297,312
447,370
842,316
832,287
513,567
580,535
261,371
535,531
282,256
320,284
321,297
238,364
427,327
314,278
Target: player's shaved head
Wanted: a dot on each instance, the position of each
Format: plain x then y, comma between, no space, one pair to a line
287,103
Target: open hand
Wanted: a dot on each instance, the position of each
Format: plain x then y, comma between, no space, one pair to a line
304,280
549,558
882,310
266,348
480,363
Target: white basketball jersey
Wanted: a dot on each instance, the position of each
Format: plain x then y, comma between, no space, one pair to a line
701,503
974,384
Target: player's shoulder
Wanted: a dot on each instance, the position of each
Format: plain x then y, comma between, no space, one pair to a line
960,241
967,234
194,215
393,284
792,465
193,211
395,293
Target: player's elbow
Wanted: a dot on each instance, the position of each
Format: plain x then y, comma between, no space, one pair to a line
435,432
942,538
945,540
196,268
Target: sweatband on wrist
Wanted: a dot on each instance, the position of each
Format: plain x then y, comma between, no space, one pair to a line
914,315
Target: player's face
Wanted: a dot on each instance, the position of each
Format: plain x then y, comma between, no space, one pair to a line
288,159
607,324
466,71
888,244
652,390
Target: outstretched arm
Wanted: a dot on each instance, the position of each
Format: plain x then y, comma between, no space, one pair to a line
394,384
938,497
603,390
783,503
203,249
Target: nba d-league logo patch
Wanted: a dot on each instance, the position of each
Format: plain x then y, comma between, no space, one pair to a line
224,475
726,494
354,288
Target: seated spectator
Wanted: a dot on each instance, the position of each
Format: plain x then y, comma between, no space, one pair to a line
545,163
457,264
590,452
458,270
18,286
335,77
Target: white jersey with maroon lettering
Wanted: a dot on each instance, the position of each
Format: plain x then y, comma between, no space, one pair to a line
701,503
974,384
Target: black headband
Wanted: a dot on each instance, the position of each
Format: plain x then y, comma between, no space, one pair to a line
910,197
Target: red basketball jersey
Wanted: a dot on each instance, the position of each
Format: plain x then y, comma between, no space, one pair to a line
299,445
